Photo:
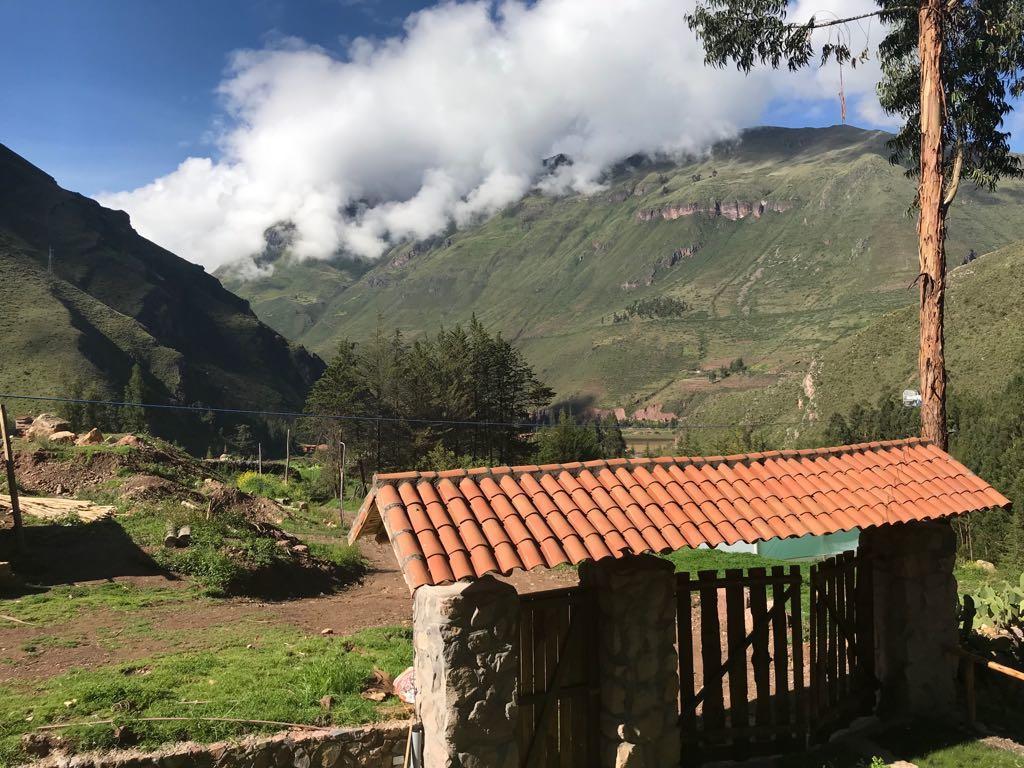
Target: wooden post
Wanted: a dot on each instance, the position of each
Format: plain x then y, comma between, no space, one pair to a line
287,453
12,485
259,457
932,227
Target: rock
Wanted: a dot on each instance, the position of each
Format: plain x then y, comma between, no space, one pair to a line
131,441
902,764
41,744
303,506
44,425
301,549
92,437
984,565
327,702
63,437
327,631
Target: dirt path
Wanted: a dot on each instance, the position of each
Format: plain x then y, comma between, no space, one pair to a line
100,637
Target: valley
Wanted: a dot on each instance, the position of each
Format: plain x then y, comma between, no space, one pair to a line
779,246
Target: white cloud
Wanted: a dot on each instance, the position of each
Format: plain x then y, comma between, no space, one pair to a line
448,122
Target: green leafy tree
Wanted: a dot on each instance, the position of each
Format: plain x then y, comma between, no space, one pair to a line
613,444
133,417
464,391
567,441
949,70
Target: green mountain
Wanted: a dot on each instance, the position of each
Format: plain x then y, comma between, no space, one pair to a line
109,299
984,340
771,248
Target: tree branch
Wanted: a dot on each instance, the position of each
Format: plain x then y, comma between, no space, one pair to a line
954,180
836,22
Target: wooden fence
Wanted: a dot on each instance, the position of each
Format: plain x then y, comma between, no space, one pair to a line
842,656
558,680
741,663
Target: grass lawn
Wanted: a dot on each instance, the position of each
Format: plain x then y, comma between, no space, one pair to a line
276,674
926,745
61,604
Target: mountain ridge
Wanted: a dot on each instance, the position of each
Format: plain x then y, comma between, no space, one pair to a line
779,244
108,299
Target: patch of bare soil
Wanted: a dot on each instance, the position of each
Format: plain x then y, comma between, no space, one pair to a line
1005,744
152,488
223,498
46,472
101,637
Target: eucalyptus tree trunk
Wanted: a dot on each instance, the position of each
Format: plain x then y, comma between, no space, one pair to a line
932,228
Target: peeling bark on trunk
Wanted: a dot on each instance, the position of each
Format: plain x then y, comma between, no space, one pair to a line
932,228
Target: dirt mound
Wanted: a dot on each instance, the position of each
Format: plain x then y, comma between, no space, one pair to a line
71,471
227,498
154,488
40,472
299,573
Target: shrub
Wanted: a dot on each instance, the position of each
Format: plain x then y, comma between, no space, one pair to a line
262,485
1004,608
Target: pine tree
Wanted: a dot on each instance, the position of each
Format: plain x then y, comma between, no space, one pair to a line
567,441
613,444
133,417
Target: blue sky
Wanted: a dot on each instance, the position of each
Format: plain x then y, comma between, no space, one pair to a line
109,94
426,121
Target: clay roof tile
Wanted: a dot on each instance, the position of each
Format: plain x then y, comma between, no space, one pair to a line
460,524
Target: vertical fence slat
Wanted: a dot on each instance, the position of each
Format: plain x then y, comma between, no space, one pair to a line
780,649
850,682
735,629
760,654
593,711
526,676
815,678
841,639
865,626
684,633
833,636
797,628
566,704
552,642
711,652
821,612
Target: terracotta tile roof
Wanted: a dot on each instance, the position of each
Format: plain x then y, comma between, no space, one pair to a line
462,524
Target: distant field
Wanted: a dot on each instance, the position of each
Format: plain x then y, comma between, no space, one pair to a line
647,441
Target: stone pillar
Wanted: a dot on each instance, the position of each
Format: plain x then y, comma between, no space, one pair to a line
464,637
639,663
915,616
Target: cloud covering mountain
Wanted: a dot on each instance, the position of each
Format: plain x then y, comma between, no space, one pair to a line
448,122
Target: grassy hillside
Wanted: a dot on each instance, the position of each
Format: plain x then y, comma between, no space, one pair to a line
984,339
114,299
984,350
831,250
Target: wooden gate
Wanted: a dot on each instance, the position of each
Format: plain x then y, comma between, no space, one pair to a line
558,682
842,656
741,663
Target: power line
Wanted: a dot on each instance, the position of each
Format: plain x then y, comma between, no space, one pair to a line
348,417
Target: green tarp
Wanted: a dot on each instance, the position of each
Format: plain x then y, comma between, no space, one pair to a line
809,547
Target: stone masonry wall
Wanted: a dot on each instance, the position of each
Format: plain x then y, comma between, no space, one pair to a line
372,746
915,616
464,635
639,664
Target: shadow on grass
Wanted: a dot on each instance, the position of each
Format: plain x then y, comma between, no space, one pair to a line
67,554
923,743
